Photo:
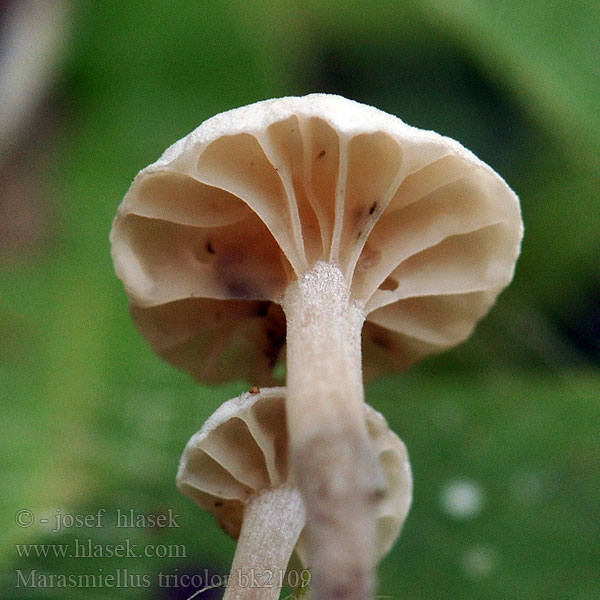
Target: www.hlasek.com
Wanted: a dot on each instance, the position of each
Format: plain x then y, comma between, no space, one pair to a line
87,548
123,578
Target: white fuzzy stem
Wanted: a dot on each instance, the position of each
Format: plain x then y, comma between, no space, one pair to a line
332,458
273,520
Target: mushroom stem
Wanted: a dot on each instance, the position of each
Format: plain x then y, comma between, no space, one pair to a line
332,458
273,520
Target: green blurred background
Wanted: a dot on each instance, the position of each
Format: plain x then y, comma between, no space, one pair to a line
503,432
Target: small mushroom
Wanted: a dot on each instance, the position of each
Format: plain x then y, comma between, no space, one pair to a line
237,467
311,222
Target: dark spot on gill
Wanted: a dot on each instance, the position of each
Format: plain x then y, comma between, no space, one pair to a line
275,330
236,278
262,309
321,154
218,504
238,288
373,208
382,342
377,496
389,284
209,247
341,590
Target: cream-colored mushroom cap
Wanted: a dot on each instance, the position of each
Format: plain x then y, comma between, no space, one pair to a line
208,238
243,449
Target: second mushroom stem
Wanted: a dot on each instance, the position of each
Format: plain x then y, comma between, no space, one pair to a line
273,521
332,458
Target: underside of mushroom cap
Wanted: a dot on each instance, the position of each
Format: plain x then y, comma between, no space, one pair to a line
426,234
243,449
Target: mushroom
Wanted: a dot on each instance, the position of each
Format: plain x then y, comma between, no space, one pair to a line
237,467
306,222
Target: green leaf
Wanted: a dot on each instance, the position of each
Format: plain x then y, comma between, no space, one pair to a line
545,52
